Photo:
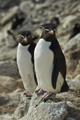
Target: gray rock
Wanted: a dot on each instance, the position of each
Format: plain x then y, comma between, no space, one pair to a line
9,15
26,6
11,40
23,106
38,1
5,117
45,110
4,100
70,118
67,21
7,84
43,6
9,102
73,44
75,84
8,3
7,53
3,34
9,68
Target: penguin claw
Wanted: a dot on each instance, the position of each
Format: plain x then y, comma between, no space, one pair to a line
46,95
39,91
28,94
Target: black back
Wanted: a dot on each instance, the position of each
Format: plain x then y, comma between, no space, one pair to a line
31,50
59,65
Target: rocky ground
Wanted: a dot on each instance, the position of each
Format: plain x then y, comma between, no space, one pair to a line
30,15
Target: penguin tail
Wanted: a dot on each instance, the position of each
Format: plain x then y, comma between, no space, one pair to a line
65,87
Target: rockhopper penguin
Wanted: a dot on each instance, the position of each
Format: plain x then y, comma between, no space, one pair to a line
50,65
25,61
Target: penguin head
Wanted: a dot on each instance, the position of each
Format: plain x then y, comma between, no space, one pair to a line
26,37
49,31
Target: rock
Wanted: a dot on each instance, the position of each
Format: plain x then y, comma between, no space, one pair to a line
9,15
7,53
11,40
23,106
71,105
70,118
38,1
5,117
26,6
3,34
75,84
9,3
35,21
73,44
45,110
67,21
9,102
7,84
72,53
3,100
43,6
9,68
78,77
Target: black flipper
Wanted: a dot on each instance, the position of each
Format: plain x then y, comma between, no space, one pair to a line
55,73
59,65
31,50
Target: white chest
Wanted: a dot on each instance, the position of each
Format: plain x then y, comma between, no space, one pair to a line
44,65
42,51
25,67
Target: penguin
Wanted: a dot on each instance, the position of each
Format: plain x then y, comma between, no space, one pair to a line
25,61
75,30
55,20
11,39
18,20
50,64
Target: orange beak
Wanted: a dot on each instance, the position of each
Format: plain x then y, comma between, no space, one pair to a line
25,39
51,32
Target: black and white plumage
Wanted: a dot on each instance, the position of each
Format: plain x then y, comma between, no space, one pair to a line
50,65
25,60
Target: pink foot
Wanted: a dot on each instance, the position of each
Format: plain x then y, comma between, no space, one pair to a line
46,95
39,91
28,94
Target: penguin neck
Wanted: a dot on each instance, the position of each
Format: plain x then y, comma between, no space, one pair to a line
55,47
23,47
49,38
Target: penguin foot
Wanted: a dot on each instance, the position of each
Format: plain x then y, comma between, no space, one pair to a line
46,95
28,94
39,91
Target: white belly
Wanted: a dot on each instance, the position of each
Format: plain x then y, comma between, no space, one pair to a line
25,67
44,58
